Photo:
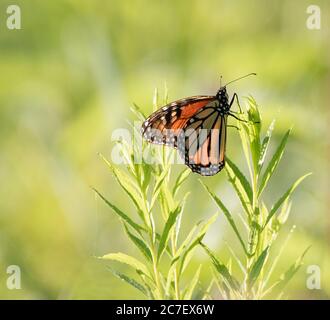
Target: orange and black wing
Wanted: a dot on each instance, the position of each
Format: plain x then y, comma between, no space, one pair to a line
165,125
205,141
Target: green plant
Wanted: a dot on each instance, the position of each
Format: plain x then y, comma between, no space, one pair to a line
155,228
153,189
262,224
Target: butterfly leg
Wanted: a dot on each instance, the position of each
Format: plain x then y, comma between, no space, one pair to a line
235,96
232,126
254,122
231,114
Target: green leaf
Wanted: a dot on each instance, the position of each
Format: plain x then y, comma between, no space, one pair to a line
257,267
137,111
130,188
282,217
126,259
155,99
276,260
237,260
179,218
241,185
227,215
264,146
167,228
187,240
284,197
192,285
157,187
169,280
254,114
166,200
254,131
130,281
244,135
273,162
121,214
222,286
222,269
140,244
289,274
187,254
180,180
207,293
147,170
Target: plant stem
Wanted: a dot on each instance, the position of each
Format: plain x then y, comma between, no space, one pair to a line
176,275
156,274
254,234
152,235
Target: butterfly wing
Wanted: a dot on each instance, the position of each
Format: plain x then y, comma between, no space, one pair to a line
164,125
205,141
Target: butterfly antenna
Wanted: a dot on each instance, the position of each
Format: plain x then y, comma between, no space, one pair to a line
220,80
247,75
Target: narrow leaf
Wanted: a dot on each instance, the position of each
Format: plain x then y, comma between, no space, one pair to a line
222,269
277,258
167,228
241,185
124,258
192,284
257,267
254,131
130,188
244,135
138,112
285,211
179,218
188,252
238,261
147,169
284,197
207,292
121,214
155,100
140,244
158,184
227,215
130,281
187,240
289,274
180,180
170,278
265,144
273,162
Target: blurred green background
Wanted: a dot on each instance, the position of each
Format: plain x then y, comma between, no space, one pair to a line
68,79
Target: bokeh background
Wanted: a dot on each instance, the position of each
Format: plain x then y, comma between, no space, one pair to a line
68,79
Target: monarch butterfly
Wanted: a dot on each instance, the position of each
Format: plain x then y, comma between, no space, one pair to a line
197,127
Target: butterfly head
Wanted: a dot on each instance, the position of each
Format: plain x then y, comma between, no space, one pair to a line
222,97
222,92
